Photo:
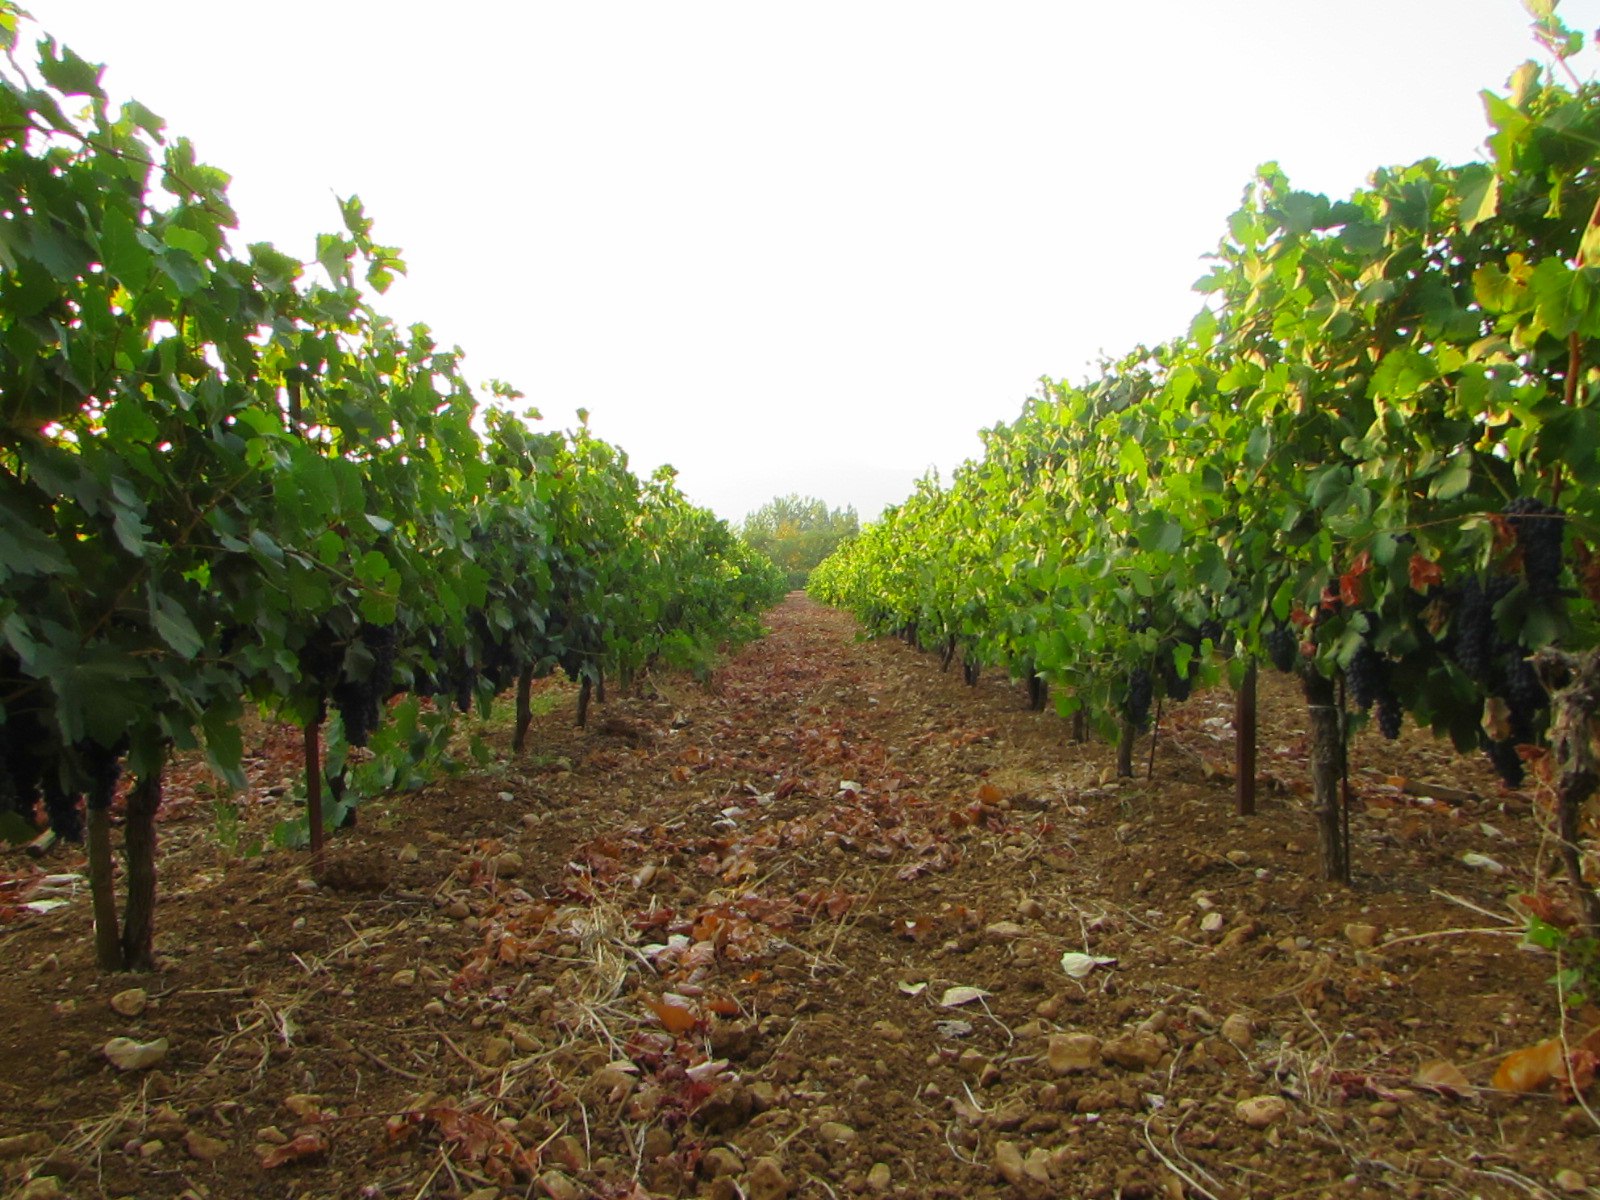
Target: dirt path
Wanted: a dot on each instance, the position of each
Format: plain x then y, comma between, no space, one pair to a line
800,934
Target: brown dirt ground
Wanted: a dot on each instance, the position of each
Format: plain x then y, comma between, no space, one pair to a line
699,950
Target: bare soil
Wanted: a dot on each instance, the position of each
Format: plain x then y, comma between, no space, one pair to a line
723,943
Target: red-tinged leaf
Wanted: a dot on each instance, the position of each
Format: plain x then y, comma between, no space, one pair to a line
1505,536
655,918
1546,908
1425,573
304,1145
1299,617
1580,1073
989,794
723,1006
1350,590
674,1018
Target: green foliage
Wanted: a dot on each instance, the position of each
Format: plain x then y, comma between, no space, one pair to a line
226,477
798,532
1330,446
1578,977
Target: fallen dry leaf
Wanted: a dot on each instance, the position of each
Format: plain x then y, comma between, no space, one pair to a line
303,1145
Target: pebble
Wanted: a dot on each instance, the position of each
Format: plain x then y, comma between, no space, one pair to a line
128,1055
1134,1051
1569,1180
405,977
1212,922
1361,936
129,1003
880,1178
1259,1112
496,1050
1238,935
44,1187
1008,1161
836,1132
408,853
508,797
720,1161
766,1181
304,1105
1036,1167
1070,1052
1030,909
1240,1030
1238,858
509,863
1200,1017
557,1186
1003,931
728,1107
457,909
204,1147
1009,1116
22,1144
568,1151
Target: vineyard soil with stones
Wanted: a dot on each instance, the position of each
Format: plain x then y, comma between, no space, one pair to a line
800,932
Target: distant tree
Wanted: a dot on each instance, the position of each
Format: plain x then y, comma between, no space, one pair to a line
797,532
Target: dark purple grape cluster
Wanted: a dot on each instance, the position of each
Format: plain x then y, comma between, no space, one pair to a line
1367,682
1367,676
1178,684
1389,714
1281,646
1475,642
1524,696
1539,528
359,699
1507,762
1136,701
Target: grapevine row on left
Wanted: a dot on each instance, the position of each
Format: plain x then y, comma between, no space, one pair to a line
226,480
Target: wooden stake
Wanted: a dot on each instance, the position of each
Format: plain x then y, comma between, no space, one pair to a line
1244,744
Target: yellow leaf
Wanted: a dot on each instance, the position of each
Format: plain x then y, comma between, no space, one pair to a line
1529,1068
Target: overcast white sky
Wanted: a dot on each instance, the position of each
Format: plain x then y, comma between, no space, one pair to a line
805,247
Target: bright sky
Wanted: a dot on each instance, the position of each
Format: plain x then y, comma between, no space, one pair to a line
806,247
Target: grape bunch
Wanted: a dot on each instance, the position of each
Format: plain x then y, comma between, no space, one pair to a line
1367,676
1367,680
1178,684
1389,714
1136,701
359,699
1539,528
1507,762
1475,642
1281,646
1524,695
